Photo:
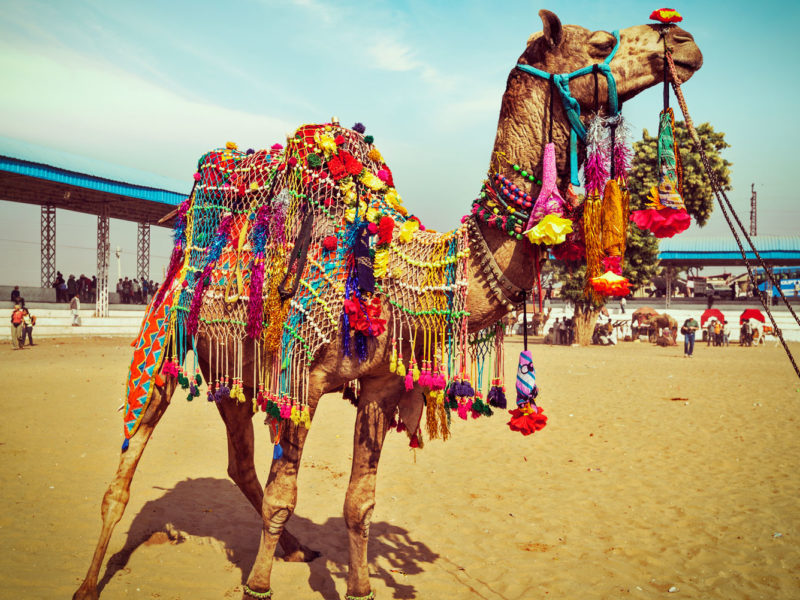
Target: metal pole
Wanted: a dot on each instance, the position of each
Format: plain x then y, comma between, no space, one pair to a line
103,258
48,245
143,252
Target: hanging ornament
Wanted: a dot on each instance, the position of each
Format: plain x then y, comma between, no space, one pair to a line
527,418
666,213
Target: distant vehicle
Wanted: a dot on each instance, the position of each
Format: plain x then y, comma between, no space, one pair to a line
788,277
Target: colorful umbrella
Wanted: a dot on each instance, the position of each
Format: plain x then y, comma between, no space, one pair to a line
710,314
751,313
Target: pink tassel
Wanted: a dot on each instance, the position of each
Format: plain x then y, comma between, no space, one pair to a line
170,368
409,380
462,410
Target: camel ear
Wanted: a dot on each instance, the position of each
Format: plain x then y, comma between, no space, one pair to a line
552,28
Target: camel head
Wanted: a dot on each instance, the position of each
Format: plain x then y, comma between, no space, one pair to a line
637,65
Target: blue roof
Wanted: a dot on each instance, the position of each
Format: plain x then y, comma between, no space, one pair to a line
50,173
770,247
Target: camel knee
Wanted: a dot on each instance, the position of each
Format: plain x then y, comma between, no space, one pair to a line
358,516
114,502
277,517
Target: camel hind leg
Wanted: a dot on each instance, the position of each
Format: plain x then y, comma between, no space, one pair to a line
118,493
238,419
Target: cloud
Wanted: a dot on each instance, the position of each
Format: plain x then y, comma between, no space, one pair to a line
392,55
89,108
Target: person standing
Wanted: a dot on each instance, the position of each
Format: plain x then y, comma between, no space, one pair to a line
28,321
17,327
717,333
15,294
622,303
710,332
75,307
689,328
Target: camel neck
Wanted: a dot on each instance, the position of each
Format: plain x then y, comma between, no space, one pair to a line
500,269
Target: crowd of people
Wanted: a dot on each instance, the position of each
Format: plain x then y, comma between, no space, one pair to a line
73,290
717,333
136,291
130,291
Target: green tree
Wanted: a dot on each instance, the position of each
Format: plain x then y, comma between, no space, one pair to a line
697,193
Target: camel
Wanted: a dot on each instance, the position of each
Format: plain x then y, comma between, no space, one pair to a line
521,136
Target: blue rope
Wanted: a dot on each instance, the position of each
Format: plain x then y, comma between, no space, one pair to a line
571,106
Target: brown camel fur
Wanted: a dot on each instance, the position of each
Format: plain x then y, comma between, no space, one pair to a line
521,135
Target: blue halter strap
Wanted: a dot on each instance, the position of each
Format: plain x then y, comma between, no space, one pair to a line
571,106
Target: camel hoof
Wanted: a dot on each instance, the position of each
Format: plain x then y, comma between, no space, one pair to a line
86,593
302,554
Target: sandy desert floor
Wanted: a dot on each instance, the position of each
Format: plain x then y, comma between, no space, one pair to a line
655,473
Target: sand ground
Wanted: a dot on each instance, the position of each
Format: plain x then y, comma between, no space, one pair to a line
655,472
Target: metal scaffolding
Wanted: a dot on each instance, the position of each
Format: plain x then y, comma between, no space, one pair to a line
103,258
48,247
143,252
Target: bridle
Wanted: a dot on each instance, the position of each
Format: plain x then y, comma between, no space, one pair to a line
571,106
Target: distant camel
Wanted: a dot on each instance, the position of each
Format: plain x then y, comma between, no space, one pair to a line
521,136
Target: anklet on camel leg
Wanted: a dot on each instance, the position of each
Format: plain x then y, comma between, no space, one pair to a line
370,596
255,594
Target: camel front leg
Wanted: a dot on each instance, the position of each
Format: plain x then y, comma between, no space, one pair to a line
280,499
118,493
376,406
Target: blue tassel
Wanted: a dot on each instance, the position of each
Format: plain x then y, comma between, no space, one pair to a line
125,444
277,452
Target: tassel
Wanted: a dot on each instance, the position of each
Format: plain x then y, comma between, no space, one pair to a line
497,395
409,381
414,443
393,359
295,415
277,452
415,370
401,427
401,368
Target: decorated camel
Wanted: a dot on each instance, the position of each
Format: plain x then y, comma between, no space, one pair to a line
297,271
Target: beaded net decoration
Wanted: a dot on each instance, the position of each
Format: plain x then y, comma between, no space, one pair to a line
285,249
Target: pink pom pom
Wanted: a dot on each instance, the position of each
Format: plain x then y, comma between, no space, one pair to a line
462,410
409,381
424,378
292,161
372,228
383,175
277,147
198,176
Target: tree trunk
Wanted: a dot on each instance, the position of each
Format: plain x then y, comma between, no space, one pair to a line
585,319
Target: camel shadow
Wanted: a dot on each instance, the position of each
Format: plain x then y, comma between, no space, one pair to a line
215,508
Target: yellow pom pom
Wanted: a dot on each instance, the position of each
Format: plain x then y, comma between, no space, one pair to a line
401,368
415,372
231,145
408,229
372,181
374,155
295,416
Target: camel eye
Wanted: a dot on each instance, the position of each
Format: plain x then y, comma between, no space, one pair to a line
601,44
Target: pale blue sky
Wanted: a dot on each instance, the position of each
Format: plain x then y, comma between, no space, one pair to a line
139,90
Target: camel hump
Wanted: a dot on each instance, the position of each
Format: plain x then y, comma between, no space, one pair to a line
321,163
